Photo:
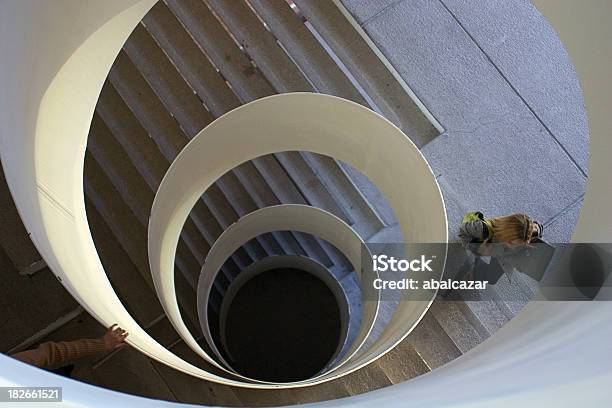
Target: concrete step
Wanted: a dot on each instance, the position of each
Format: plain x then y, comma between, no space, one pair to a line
368,70
242,203
452,318
191,114
262,195
277,63
309,184
190,60
135,174
285,192
118,363
171,88
139,299
14,239
132,372
305,50
313,248
432,343
128,231
310,187
282,73
402,363
338,259
137,195
368,378
301,172
365,220
512,292
122,221
245,78
226,216
261,46
154,153
372,194
484,308
323,392
119,169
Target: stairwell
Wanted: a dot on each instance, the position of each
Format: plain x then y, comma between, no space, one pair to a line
187,63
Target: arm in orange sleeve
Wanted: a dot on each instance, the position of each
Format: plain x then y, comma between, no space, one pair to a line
55,354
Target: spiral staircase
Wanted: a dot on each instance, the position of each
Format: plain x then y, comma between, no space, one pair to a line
185,65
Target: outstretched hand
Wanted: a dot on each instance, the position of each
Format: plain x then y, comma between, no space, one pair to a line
114,338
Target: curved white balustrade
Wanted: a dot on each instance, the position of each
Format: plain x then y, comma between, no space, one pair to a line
309,122
287,217
526,361
55,59
299,262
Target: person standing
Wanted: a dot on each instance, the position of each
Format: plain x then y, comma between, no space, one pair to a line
491,241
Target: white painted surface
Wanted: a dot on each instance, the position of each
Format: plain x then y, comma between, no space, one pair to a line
550,355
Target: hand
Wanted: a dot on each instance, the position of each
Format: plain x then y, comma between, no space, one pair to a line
114,338
485,249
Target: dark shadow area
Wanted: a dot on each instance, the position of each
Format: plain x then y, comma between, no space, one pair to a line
587,270
283,325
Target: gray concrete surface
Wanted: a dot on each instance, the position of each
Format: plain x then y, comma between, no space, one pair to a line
497,78
526,51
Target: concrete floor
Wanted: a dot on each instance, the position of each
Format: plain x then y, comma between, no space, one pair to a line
497,78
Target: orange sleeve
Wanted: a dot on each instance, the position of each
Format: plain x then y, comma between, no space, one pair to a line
55,354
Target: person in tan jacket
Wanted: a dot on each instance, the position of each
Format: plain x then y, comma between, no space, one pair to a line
52,355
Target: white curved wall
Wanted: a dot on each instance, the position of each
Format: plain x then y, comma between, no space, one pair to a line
563,361
317,123
283,217
55,58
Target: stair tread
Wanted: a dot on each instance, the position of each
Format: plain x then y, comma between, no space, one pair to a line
166,81
246,80
403,363
454,322
432,343
303,47
199,72
140,300
165,132
365,220
368,378
278,68
369,71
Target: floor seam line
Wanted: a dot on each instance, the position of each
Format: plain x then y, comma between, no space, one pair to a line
563,210
500,72
379,12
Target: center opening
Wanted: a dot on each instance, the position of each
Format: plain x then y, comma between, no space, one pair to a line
283,325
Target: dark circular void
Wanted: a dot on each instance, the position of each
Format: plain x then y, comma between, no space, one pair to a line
283,325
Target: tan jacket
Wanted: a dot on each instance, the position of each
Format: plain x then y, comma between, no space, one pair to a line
56,354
